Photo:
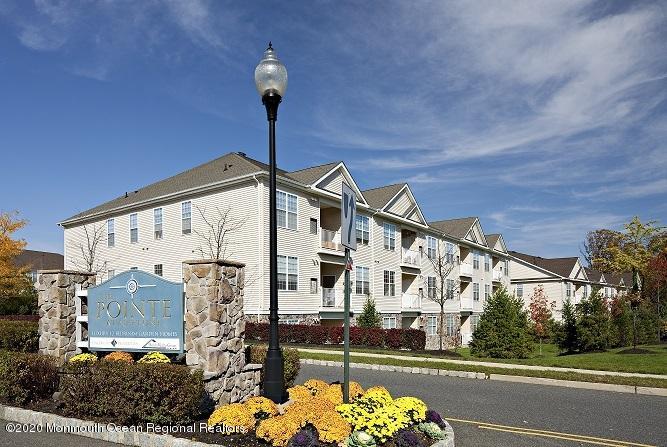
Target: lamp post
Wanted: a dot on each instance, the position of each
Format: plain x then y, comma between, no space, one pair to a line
271,83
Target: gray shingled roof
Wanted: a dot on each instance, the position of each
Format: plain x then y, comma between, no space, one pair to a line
308,176
492,239
40,260
594,275
457,228
379,197
560,266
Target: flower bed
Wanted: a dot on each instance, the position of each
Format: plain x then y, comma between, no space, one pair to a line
316,416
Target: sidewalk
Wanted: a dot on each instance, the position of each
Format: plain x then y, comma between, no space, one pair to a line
488,364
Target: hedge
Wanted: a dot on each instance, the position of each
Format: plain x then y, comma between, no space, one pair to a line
25,377
18,305
131,394
292,364
413,339
20,336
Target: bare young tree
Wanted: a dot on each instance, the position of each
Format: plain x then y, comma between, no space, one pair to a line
216,232
444,288
89,260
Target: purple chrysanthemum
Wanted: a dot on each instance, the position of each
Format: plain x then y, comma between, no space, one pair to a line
433,416
407,438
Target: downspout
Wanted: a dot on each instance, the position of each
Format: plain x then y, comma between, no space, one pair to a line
260,252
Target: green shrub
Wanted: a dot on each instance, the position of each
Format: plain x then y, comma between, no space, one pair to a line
592,323
503,330
131,394
25,377
18,305
20,336
257,354
369,317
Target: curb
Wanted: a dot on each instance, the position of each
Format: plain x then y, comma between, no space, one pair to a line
94,430
632,389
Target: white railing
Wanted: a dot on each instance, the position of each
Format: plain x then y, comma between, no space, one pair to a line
328,297
331,239
410,257
466,302
497,275
411,301
465,269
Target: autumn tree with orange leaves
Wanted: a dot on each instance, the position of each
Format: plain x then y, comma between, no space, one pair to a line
13,279
540,313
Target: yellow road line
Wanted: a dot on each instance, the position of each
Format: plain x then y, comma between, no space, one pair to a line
546,435
581,438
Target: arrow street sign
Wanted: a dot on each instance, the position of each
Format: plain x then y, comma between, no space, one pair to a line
348,217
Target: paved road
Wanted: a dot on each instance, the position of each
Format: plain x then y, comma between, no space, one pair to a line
513,408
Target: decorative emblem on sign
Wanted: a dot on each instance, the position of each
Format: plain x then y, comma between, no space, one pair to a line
132,286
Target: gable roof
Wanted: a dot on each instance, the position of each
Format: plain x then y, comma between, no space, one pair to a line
560,266
379,197
310,175
40,260
593,275
457,228
227,167
494,239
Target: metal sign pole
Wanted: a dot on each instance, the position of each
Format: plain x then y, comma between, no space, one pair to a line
346,331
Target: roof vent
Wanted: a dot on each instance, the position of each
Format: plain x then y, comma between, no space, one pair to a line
242,154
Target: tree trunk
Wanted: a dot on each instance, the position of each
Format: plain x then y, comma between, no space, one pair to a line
634,329
442,320
540,346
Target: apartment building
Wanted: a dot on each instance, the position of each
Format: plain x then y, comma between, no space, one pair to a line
561,278
159,226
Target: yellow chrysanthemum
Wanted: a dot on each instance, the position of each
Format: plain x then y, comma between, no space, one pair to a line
299,392
261,407
233,415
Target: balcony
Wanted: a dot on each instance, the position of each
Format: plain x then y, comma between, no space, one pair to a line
410,258
465,269
465,303
329,298
497,275
330,242
411,301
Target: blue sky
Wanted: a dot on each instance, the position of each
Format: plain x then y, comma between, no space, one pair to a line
545,119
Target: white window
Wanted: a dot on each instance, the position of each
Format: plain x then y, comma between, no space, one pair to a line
362,281
286,210
431,247
475,260
568,289
389,231
186,217
388,322
450,325
450,289
111,234
157,223
487,292
134,228
362,225
430,283
449,249
157,269
474,322
389,283
519,290
606,292
432,325
475,291
487,262
111,273
585,291
507,267
288,273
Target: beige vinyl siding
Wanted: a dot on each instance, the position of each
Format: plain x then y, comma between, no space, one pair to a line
521,270
428,306
386,260
364,257
401,204
333,183
414,216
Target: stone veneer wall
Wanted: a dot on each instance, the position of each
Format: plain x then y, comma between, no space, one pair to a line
215,329
57,311
433,341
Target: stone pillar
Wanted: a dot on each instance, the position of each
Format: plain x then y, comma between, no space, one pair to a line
215,329
57,311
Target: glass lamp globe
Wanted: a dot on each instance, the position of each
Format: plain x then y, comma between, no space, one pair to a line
270,74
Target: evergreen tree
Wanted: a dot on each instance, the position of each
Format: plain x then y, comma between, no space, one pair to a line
621,322
567,337
503,330
369,317
592,323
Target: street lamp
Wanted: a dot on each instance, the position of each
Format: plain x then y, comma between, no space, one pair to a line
271,83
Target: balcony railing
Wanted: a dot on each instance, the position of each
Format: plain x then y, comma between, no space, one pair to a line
329,298
497,275
331,240
410,257
411,301
466,302
465,269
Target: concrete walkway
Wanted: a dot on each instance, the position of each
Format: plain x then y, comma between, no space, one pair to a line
487,364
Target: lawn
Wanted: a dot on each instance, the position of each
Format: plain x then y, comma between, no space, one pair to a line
611,360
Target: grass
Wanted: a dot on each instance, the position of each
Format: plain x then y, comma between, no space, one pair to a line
580,377
654,362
